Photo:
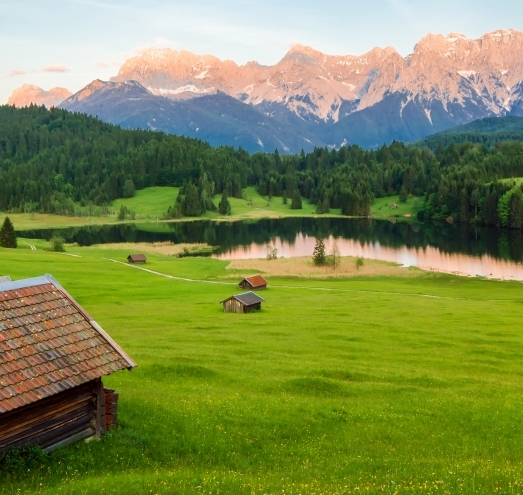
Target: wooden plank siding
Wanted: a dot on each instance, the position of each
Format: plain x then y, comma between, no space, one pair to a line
56,420
233,306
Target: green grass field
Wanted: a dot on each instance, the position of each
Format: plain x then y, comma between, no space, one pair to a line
151,204
256,206
371,385
381,207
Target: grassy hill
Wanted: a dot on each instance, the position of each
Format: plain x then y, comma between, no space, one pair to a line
149,202
363,385
154,201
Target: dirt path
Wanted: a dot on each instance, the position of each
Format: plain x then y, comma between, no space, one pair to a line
33,248
168,276
327,289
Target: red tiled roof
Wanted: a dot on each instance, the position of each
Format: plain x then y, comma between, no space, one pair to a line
137,257
256,280
48,343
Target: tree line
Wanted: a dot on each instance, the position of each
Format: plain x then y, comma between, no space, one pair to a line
55,161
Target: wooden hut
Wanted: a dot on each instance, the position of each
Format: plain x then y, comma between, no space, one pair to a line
255,282
242,303
137,258
53,356
393,206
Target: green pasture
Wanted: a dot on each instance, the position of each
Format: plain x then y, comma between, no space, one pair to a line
149,202
370,385
381,208
252,205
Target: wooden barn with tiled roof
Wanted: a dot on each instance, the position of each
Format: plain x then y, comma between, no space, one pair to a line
242,303
255,282
53,356
137,258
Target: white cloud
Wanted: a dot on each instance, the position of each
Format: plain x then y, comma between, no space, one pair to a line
55,68
16,72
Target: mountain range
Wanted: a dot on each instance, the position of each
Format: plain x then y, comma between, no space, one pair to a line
311,99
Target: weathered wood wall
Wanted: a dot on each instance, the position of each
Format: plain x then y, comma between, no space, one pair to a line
232,306
65,417
247,286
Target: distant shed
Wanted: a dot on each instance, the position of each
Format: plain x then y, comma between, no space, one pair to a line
255,282
137,258
53,356
242,303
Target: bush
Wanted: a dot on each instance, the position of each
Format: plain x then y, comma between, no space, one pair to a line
57,244
359,262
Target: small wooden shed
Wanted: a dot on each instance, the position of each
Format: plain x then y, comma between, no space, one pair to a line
393,206
137,258
255,282
53,356
242,303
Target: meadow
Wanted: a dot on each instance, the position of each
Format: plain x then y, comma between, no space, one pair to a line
151,205
371,384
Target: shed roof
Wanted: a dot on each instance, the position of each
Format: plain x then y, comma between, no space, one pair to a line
48,343
137,257
256,280
247,298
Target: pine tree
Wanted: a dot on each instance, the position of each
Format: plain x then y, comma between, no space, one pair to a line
514,212
325,207
403,194
7,234
128,189
319,257
122,213
296,201
224,207
193,205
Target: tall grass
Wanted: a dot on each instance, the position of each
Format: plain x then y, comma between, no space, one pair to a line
371,387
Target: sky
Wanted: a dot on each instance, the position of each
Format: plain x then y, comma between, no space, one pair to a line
68,43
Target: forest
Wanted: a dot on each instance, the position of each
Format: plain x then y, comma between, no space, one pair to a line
55,161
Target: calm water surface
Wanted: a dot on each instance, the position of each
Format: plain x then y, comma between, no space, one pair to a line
466,250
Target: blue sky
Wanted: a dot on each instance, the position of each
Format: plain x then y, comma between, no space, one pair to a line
69,43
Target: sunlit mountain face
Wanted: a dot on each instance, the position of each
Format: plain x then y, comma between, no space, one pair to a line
310,98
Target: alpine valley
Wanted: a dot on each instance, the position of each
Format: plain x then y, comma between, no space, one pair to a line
309,99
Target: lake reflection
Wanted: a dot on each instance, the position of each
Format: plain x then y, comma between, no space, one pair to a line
427,258
467,250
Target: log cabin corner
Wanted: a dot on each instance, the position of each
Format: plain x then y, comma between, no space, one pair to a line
53,357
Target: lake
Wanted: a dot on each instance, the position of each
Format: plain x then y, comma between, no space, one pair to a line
452,248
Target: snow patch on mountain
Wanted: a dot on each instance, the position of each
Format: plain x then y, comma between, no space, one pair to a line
202,75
